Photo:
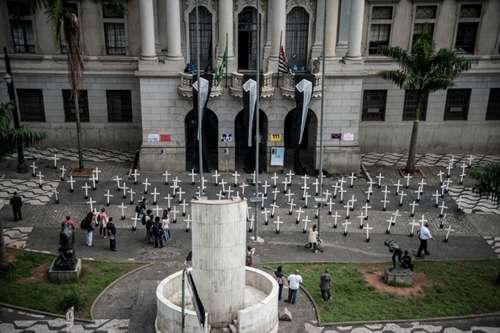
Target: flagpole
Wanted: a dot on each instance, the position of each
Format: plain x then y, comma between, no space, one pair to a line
321,117
257,136
200,116
226,50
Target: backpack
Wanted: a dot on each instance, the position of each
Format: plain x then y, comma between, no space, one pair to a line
143,219
85,224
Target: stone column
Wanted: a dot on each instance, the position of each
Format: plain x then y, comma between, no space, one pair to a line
174,50
146,9
226,21
318,30
278,20
332,14
356,29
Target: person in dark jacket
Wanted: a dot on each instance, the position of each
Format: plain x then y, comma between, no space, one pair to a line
16,204
149,220
89,228
281,279
157,232
112,234
325,283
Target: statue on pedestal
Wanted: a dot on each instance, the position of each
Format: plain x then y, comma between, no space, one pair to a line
67,257
403,258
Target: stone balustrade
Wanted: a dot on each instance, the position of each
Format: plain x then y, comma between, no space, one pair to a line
185,88
287,86
267,89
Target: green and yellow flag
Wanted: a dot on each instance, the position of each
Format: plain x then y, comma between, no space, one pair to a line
221,66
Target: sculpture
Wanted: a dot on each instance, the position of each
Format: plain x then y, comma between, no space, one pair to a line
67,256
404,260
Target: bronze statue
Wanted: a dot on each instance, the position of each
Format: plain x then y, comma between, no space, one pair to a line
404,260
67,256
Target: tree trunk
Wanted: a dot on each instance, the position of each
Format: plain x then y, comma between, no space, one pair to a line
77,114
411,163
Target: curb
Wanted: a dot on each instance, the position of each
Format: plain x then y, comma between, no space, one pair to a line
40,312
112,284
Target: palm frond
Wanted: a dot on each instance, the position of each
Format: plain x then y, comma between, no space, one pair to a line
400,55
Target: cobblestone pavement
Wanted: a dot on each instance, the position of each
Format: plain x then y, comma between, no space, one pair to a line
472,203
89,154
29,190
442,160
494,242
16,237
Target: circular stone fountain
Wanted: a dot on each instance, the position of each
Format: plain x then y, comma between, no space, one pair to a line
232,294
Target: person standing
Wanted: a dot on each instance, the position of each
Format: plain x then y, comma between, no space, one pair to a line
89,228
294,281
102,218
111,229
312,238
16,203
325,283
165,225
157,233
148,222
70,222
280,278
424,234
249,256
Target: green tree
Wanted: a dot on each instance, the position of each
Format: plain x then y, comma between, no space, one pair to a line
424,71
10,138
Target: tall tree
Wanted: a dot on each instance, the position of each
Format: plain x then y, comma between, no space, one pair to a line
424,71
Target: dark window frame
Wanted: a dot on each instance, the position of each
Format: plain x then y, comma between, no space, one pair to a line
493,109
382,24
452,101
297,37
125,100
118,44
31,105
370,102
410,105
69,110
206,37
467,29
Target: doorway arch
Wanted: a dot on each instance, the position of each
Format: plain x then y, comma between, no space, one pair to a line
244,155
300,157
210,141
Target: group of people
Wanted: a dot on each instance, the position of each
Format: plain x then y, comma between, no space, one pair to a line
105,224
294,281
157,229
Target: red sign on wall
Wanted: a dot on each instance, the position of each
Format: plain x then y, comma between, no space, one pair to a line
165,137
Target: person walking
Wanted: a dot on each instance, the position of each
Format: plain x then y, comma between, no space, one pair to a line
294,281
111,229
102,218
280,278
148,222
89,228
325,283
157,233
249,256
16,202
165,225
312,238
424,234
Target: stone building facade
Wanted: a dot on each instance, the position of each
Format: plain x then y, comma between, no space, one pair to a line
139,96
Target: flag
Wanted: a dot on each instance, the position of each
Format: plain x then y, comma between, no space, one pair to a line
305,87
251,87
202,94
221,65
283,64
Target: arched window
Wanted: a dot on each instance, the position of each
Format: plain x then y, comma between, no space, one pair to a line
205,19
247,38
297,30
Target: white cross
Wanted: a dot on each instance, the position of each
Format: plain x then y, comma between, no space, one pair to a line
265,186
398,185
176,181
353,200
33,168
443,207
423,220
135,174
274,178
395,215
131,193
71,181
418,192
168,198
242,186
348,209
361,218
63,172
305,178
180,192
273,208
384,202
448,231
352,177
229,191
203,186
192,174
290,174
345,224
40,179
386,191
370,185
368,228
452,160
447,183
146,184
265,211
421,185
174,213
275,193
390,221
289,195
285,183
91,203
379,177
470,158
157,210
135,219
188,221
235,175
413,224
306,222
55,159
262,200
306,197
166,174
450,166
408,177
413,204
462,175
299,211
304,188
154,194
368,192
335,189
401,197
93,180
316,185
335,217
124,188
436,196
107,195
96,171
184,204
220,195
291,204
223,184
441,174
366,207
122,207
327,195
277,222
330,204
86,188
197,194
442,221
117,180
251,219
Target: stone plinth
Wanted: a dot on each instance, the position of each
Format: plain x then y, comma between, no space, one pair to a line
399,277
66,275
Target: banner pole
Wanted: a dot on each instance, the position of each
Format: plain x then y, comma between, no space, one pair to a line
257,136
226,50
200,116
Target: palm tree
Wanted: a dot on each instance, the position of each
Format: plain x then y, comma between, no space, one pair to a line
424,71
11,137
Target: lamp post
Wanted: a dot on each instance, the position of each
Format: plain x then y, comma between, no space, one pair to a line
9,80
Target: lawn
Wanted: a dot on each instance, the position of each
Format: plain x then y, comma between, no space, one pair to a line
451,289
27,285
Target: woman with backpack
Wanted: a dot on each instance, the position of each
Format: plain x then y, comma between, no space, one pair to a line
89,228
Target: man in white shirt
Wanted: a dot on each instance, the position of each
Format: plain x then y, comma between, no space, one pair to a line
424,235
294,281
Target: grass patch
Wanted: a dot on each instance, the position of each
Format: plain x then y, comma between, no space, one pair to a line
27,284
454,289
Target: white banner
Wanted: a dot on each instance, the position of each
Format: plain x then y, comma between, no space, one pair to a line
202,99
305,87
251,87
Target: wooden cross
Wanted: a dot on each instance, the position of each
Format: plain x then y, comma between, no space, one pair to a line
277,222
157,210
146,184
117,180
86,189
91,203
135,174
192,174
166,174
368,228
335,217
235,175
108,195
155,194
63,172
122,207
71,181
124,188
131,193
299,211
33,168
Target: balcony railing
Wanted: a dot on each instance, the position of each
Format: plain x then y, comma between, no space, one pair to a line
267,89
288,85
185,88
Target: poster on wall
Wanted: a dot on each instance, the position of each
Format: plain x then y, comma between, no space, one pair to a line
277,156
153,137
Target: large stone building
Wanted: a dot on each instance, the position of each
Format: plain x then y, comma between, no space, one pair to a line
137,95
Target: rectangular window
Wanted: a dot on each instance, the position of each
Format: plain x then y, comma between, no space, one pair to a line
69,106
468,27
493,111
30,103
380,29
116,39
119,105
425,17
457,104
410,106
374,105
73,8
21,27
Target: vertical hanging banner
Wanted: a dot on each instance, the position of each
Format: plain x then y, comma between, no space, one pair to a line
203,93
305,87
251,87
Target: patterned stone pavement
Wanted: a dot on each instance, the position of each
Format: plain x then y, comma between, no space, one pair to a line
29,190
59,325
436,160
401,328
89,154
494,242
473,203
16,237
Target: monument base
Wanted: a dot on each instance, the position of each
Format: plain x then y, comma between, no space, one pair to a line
399,277
65,275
